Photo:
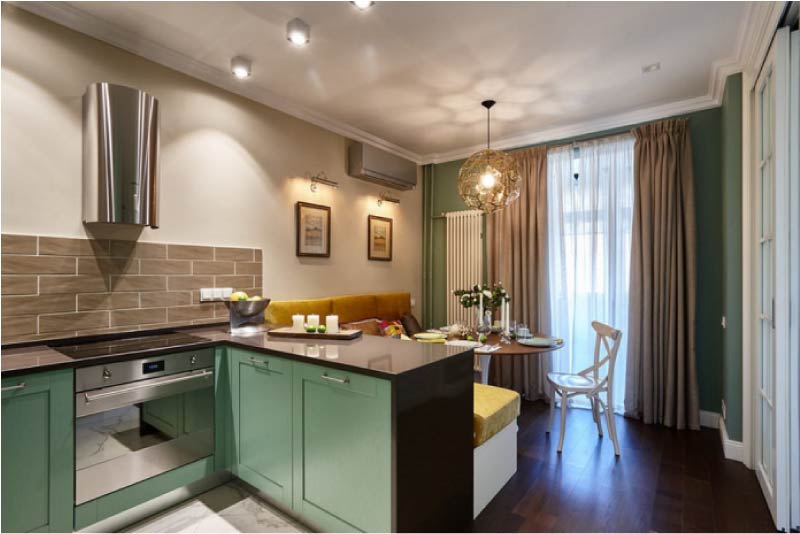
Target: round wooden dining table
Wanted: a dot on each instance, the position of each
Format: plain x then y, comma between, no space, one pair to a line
509,350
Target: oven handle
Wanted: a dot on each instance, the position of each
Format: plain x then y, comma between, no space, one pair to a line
89,398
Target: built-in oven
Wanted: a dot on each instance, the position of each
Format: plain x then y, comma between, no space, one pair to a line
140,418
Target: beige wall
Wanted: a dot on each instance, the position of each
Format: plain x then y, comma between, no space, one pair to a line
230,167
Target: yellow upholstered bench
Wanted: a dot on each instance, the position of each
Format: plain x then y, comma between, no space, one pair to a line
349,308
494,409
495,412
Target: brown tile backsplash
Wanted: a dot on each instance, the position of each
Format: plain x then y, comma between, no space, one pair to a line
57,287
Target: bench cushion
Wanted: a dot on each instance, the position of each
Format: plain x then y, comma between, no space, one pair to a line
494,408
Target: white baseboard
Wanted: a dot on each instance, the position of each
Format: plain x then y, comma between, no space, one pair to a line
709,419
733,450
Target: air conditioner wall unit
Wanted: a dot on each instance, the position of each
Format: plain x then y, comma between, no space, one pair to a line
372,164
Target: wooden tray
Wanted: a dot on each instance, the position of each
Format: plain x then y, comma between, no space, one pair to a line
342,335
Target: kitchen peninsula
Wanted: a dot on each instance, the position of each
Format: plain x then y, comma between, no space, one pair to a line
373,434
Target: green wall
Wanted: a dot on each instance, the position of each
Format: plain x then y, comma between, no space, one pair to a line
705,126
731,127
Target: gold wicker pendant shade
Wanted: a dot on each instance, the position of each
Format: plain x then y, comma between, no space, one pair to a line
489,179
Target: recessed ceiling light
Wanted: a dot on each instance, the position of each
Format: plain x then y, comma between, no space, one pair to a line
652,67
363,5
241,67
298,32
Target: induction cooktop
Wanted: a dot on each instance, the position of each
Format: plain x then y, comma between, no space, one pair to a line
128,345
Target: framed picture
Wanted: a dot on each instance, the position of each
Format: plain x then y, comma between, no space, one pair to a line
313,224
380,241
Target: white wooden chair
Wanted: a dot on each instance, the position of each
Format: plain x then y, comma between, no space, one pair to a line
481,367
589,382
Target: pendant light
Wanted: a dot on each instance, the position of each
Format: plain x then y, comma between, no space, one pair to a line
489,179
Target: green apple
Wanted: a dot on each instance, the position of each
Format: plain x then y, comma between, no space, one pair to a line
483,338
470,338
322,329
310,328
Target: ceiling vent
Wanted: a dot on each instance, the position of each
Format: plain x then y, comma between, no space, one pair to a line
378,166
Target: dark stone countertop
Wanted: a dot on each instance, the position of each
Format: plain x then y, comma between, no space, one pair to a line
373,355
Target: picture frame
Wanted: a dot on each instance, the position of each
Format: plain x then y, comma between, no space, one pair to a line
312,230
380,238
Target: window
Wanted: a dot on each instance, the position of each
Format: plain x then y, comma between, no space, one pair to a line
590,216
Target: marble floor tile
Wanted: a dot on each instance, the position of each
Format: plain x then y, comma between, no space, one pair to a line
227,508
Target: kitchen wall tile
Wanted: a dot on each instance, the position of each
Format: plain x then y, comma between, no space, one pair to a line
257,281
248,268
138,283
110,330
35,305
136,249
18,244
105,266
210,320
166,267
20,285
236,282
213,267
258,255
190,252
108,301
64,322
188,313
233,254
142,316
72,284
64,246
18,326
38,265
190,282
155,299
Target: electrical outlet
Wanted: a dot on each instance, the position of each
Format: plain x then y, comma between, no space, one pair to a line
724,410
206,293
724,322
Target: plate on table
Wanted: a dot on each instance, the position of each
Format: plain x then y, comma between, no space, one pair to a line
428,336
540,341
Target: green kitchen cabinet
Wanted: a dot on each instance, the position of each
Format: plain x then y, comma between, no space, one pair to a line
38,452
261,389
342,449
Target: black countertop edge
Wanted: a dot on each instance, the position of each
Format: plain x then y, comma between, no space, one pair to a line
75,340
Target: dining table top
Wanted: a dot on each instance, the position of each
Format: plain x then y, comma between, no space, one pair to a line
516,349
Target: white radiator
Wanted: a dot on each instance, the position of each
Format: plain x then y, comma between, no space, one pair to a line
464,261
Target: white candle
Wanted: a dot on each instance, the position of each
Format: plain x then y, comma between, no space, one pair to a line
298,323
507,317
313,320
332,324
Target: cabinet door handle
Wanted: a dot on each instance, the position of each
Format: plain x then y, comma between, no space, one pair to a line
21,385
265,363
325,376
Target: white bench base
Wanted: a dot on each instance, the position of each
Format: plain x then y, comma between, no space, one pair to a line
495,462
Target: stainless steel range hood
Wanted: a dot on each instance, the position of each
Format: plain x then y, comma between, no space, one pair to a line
120,155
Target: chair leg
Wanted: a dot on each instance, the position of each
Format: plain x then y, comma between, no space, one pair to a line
552,411
612,429
563,420
596,415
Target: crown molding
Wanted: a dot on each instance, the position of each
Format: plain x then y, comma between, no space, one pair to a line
76,19
753,39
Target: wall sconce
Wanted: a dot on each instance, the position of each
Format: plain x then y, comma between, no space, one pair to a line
321,178
386,197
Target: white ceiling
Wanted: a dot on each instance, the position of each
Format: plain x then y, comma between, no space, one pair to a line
410,75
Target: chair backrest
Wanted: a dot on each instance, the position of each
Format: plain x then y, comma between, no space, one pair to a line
604,334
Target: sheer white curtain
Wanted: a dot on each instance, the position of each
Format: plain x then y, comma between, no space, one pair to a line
589,248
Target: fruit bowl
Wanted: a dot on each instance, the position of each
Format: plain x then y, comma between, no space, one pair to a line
247,308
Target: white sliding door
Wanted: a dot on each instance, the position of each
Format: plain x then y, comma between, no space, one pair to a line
794,173
772,269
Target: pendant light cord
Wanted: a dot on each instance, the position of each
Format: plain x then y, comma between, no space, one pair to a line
488,128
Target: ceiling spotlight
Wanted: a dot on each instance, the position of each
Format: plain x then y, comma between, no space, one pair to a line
241,67
298,32
363,5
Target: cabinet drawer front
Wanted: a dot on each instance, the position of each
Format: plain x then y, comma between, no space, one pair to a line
342,449
268,362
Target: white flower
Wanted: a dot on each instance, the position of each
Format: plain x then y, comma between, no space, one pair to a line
487,293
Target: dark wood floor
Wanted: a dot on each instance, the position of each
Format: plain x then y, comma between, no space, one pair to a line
664,481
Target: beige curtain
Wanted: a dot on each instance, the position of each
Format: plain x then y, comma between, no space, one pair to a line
517,257
661,382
